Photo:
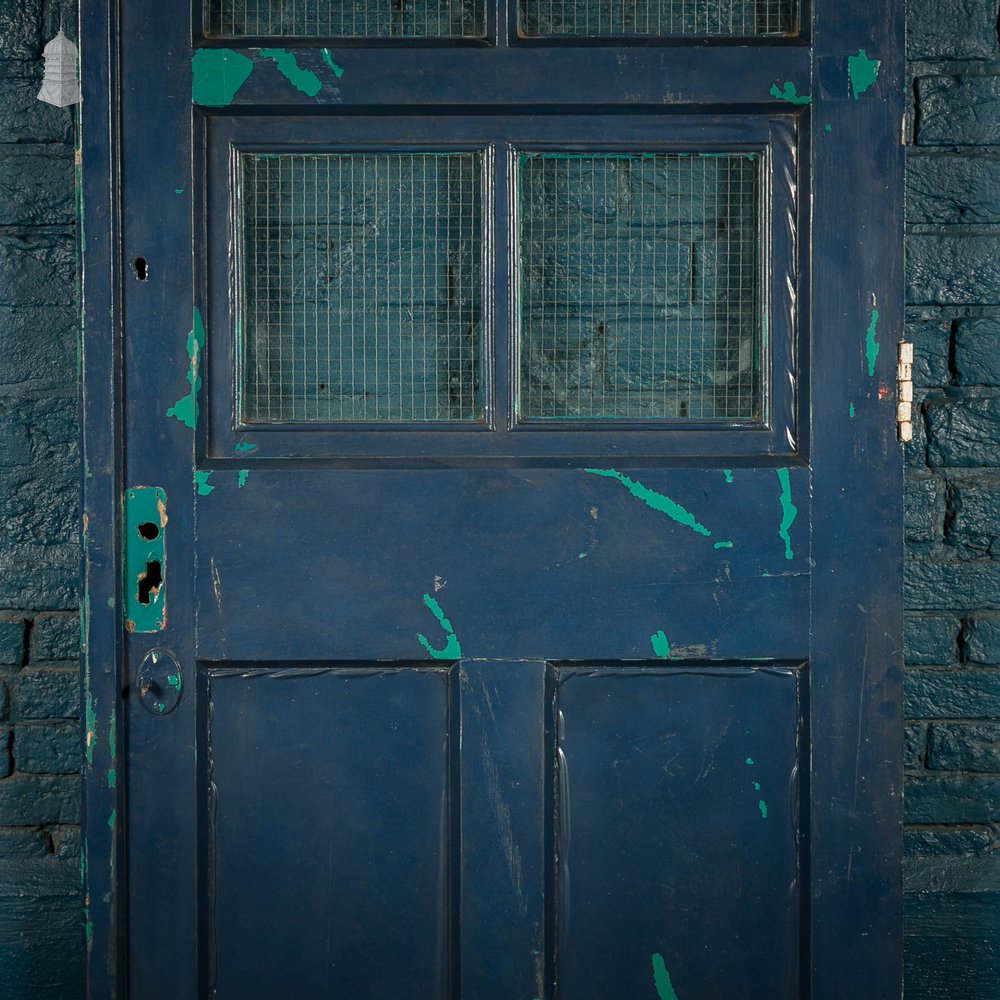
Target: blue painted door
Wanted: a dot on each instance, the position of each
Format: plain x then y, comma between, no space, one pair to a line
510,499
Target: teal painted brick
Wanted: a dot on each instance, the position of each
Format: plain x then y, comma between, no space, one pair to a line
40,269
55,637
952,270
975,520
23,842
951,585
34,800
44,748
964,746
977,352
964,432
952,189
931,639
931,351
12,631
924,509
24,118
955,842
37,576
981,639
36,189
52,693
972,693
949,798
20,37
951,29
958,110
914,745
38,345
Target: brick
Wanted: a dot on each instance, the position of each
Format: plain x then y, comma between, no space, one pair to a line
951,29
924,504
964,746
66,840
19,35
4,699
914,745
931,639
981,639
973,693
38,345
23,842
977,352
965,841
37,268
24,118
952,189
948,798
951,585
55,637
964,432
40,576
33,800
952,270
12,641
931,351
37,189
975,521
47,749
46,694
958,110
6,761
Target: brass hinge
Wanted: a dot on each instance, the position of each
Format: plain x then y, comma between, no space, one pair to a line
904,391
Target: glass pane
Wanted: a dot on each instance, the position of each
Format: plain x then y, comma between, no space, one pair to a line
345,18
663,18
362,286
639,285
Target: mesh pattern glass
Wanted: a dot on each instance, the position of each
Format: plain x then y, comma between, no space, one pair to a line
639,286
345,18
362,281
663,18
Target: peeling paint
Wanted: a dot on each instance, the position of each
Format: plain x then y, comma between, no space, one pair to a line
723,545
245,446
827,128
728,473
657,501
113,736
241,479
790,94
91,719
112,777
201,481
174,680
216,76
872,346
788,512
186,408
338,71
762,806
750,761
851,411
301,79
178,190
661,647
452,649
112,819
862,72
661,979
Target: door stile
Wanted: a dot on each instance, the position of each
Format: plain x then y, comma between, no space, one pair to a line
855,823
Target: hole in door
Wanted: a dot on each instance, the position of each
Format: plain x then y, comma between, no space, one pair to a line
150,581
149,530
140,268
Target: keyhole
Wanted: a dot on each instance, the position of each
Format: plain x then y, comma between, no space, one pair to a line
140,267
149,582
149,531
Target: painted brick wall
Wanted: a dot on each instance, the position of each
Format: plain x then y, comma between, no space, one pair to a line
952,512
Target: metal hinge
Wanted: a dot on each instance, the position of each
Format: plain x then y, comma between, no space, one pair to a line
904,391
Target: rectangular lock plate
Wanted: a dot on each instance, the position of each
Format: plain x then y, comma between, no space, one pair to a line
144,559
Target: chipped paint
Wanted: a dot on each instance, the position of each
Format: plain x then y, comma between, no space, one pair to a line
762,806
201,481
728,473
750,761
178,190
661,979
452,649
301,79
872,346
216,76
112,777
788,511
657,501
862,72
851,411
186,408
245,446
241,478
338,71
790,93
174,680
723,545
90,712
827,128
112,819
661,647
113,736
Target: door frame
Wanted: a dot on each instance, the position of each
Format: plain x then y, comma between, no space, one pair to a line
852,427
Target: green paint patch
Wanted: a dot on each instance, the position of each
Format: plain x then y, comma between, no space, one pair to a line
583,555
112,819
113,736
242,476
728,473
750,761
245,446
788,512
201,481
661,979
862,72
827,128
790,93
851,411
756,786
723,545
90,712
338,71
661,647
216,76
186,408
301,79
872,346
658,502
174,680
452,650
178,190
762,806
112,777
